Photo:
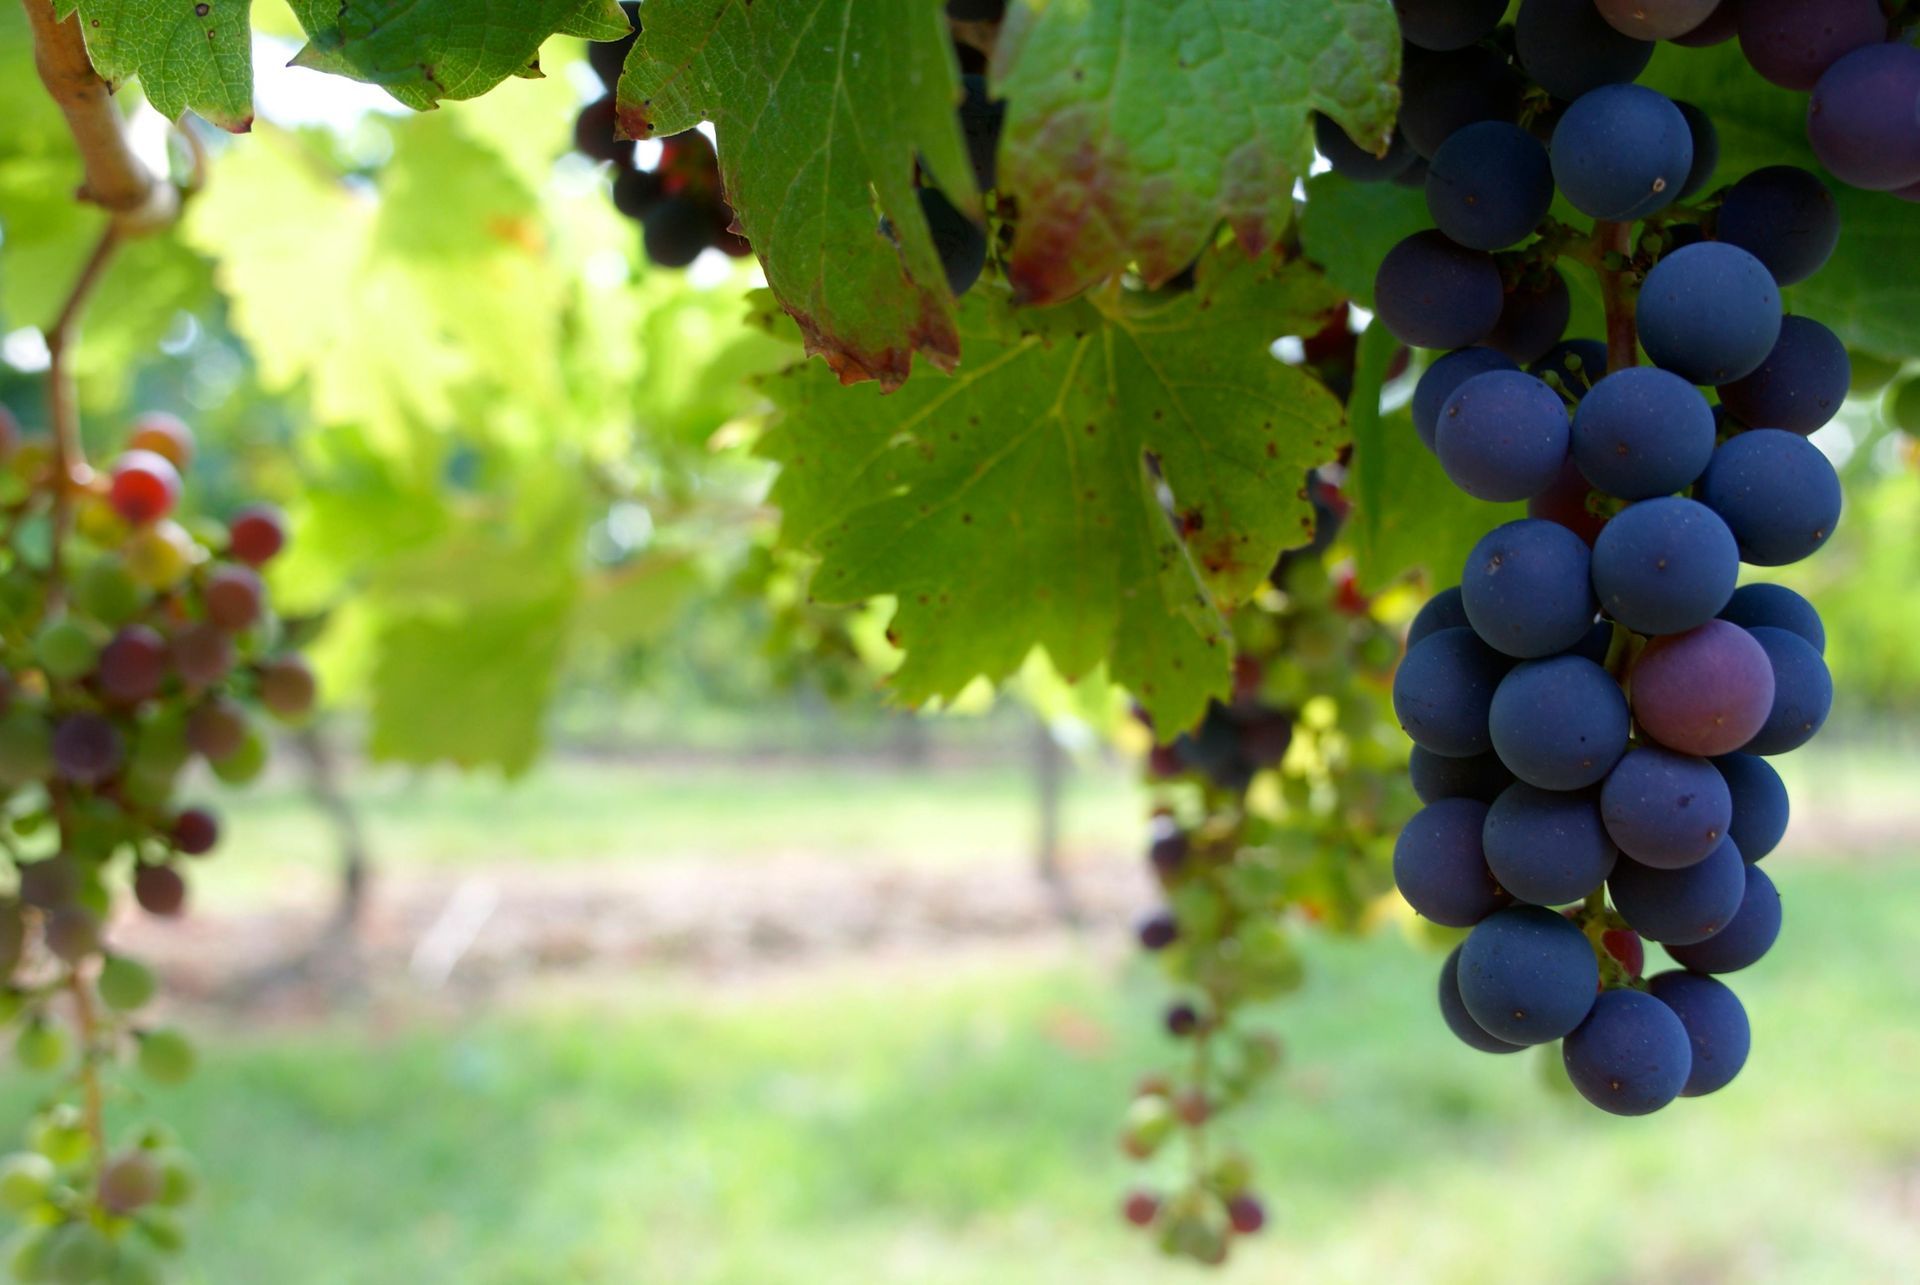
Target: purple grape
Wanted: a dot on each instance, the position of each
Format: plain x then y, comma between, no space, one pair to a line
87,749
1438,382
1792,42
1705,692
1777,494
1802,693
1864,118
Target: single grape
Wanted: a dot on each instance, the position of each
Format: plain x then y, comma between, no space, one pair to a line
677,230
129,1181
1631,1056
165,435
1547,847
216,728
1642,432
1704,692
1432,293
1448,24
256,534
1437,777
1157,930
1873,372
1776,492
160,890
1559,723
1439,867
1565,502
1141,1208
1903,406
1664,566
67,648
1443,691
287,686
87,749
1802,692
1718,27
1445,610
1442,93
1572,366
1352,161
1245,1214
1527,975
593,134
1489,185
1622,152
72,933
1438,382
1453,1011
106,590
125,984
1716,1027
1861,118
1792,42
1533,317
1655,19
637,192
160,556
40,1046
166,1057
1785,217
1568,48
1800,385
1527,588
244,764
1743,942
202,654
26,1177
50,882
195,831
1680,907
145,487
1760,806
958,240
1666,810
1502,436
1709,312
133,665
233,594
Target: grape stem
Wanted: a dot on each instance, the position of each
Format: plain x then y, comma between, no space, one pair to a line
86,1026
1616,291
63,400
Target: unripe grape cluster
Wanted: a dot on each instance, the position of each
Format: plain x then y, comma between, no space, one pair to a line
1593,707
134,640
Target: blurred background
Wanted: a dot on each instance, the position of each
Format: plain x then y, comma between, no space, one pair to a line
611,927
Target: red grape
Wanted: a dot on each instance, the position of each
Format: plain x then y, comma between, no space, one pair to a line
203,654
217,729
287,686
233,595
133,665
160,890
196,831
1246,1214
73,933
1141,1208
163,434
145,487
256,533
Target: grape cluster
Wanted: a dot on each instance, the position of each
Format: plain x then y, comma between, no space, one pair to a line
1593,707
678,203
131,643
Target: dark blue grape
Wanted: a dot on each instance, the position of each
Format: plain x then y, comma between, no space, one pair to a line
1559,723
1443,690
1642,432
1527,588
1436,777
1760,804
1534,316
1716,1027
1527,975
1439,867
982,117
1776,492
1568,48
1743,942
676,230
1432,293
1861,118
1680,907
1489,185
1442,93
1350,160
1622,152
1453,1011
1666,810
1573,366
1665,566
1445,610
1783,216
1800,386
1444,25
1706,150
1502,436
1547,847
1709,312
1631,1056
1802,693
1776,607
1792,42
958,240
1438,382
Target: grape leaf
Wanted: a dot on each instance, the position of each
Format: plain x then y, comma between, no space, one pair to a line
424,51
1013,504
1135,127
188,56
1428,523
820,111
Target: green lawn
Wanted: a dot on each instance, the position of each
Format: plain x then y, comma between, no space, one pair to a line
945,1123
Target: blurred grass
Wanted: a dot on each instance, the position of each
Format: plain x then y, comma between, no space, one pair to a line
954,1124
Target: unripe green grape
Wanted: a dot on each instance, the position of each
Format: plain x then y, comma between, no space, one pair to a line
27,1254
77,1253
60,1134
245,763
178,1178
1871,372
166,1057
1903,406
129,1181
25,1179
40,1046
107,591
1150,1122
125,984
67,649
26,749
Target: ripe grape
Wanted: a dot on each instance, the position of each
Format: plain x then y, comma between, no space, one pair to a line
1716,1027
1680,907
1502,436
1785,217
1570,49
1436,777
1655,19
1559,723
1800,385
1666,810
87,749
1743,942
72,933
1443,691
1717,28
1777,493
233,596
1453,1011
1445,610
159,889
1350,160
1432,293
1631,1056
1792,42
1642,432
1141,1208
958,240
133,665
1489,185
145,487
1704,692
1533,317
1760,806
1709,312
1548,847
1706,151
1439,381
195,831
1527,975
593,135
636,193
1157,930
1802,692
1622,152
256,534
1572,367
677,230
1440,868
1527,588
1861,118
1664,566
1565,502
129,1181
1245,1214
165,435
1447,24
217,728
1441,93
203,654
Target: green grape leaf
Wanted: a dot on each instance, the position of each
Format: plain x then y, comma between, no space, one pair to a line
1429,523
1135,127
1348,227
820,112
1026,499
188,56
425,51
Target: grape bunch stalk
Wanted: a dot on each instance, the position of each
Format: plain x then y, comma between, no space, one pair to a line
1594,705
1279,807
133,641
